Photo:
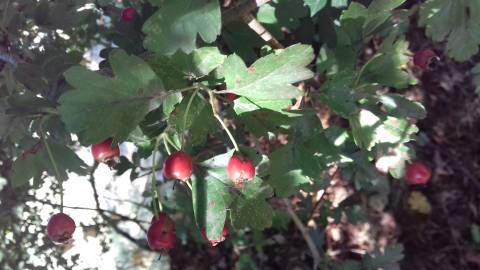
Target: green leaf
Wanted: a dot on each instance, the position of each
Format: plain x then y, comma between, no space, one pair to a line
369,130
315,5
292,167
476,78
339,3
32,165
211,195
262,121
255,213
177,22
270,77
456,21
280,14
387,260
199,119
117,105
399,106
388,66
338,94
175,196
178,68
378,12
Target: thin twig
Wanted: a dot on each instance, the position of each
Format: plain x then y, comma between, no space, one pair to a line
156,201
113,213
311,245
235,13
109,220
215,114
258,28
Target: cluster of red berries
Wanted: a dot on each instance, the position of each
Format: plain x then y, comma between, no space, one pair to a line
178,166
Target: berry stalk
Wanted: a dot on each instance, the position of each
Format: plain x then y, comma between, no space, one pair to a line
215,114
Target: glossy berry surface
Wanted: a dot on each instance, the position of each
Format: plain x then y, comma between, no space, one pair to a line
240,169
231,96
417,173
104,152
214,242
60,228
128,14
425,59
178,166
161,234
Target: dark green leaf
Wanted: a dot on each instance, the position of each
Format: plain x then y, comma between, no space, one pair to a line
399,106
177,22
101,107
197,123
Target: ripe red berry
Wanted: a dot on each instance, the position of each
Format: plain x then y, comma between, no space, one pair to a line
161,234
417,173
214,242
104,152
178,166
60,228
425,59
231,96
240,169
128,14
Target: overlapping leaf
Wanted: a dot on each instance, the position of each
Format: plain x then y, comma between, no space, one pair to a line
369,129
270,77
101,107
177,23
31,165
211,195
456,21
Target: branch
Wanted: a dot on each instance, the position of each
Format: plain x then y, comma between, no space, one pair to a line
246,7
258,28
108,219
113,213
311,245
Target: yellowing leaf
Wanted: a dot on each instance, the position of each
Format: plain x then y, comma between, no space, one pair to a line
419,203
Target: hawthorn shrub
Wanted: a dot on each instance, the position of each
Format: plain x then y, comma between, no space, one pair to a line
229,95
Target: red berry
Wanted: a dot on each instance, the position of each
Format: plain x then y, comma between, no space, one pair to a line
60,228
417,173
161,234
240,169
178,166
425,59
216,242
231,96
128,14
103,152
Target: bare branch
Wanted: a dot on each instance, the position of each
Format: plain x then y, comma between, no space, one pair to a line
311,245
258,28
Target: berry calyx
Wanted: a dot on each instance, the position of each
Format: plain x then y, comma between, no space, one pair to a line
178,166
417,173
104,152
161,234
240,169
231,96
425,59
60,228
128,14
214,242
